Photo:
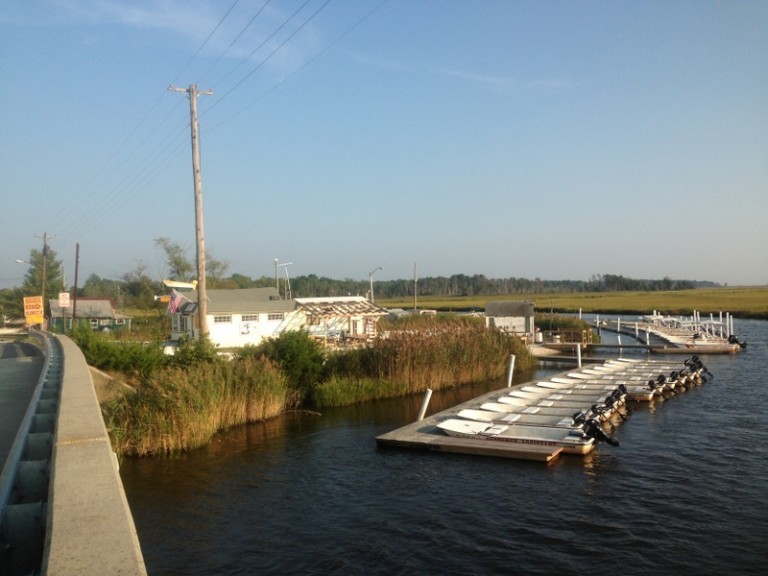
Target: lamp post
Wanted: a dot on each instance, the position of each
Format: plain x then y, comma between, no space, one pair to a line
370,280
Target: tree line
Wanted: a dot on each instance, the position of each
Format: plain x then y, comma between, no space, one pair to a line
135,289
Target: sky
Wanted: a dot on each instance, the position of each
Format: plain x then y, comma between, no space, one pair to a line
554,140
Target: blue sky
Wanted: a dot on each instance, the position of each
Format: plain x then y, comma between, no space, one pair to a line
555,140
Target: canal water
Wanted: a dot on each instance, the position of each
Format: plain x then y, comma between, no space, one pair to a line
685,493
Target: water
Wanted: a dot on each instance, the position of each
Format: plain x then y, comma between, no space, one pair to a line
686,493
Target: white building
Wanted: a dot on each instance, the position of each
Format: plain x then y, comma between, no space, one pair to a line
247,316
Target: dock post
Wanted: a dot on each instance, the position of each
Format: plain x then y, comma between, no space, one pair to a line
511,370
578,355
424,404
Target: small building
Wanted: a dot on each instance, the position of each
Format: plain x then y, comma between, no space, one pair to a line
247,316
235,317
513,316
98,313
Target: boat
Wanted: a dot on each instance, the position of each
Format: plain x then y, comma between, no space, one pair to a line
539,410
558,421
571,441
637,392
565,399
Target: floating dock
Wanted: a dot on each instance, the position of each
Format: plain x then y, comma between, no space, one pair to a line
425,435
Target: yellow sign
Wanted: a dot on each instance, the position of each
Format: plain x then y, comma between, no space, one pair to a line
33,309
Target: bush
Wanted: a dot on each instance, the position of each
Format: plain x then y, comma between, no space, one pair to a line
300,358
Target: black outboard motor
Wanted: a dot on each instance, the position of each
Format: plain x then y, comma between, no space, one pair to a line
732,339
579,418
695,364
612,403
592,429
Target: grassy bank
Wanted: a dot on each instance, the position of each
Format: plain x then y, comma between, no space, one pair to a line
178,409
742,302
180,402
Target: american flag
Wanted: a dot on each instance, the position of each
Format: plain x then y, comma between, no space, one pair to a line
177,299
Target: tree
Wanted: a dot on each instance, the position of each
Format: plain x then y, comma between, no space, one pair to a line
43,265
215,269
179,267
11,304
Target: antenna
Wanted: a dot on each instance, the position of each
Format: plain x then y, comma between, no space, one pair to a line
287,283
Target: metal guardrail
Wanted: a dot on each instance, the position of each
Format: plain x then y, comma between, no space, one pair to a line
25,478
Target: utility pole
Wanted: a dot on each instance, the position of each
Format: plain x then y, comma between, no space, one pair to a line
415,288
45,239
202,301
74,291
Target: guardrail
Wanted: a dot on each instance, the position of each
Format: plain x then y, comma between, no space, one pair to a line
24,482
65,511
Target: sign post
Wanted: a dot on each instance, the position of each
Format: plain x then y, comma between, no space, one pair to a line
63,304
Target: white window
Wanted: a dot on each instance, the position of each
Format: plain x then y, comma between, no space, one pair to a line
250,317
275,316
222,319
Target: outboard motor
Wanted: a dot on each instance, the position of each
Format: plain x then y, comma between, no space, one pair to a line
655,386
664,385
598,409
612,403
579,418
732,339
674,376
592,429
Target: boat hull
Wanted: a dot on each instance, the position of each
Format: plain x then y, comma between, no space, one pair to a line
571,442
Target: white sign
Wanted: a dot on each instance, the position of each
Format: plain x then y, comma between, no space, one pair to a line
63,299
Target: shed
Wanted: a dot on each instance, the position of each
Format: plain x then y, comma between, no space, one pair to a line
514,316
99,313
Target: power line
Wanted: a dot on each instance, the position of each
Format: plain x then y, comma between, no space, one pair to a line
302,67
250,22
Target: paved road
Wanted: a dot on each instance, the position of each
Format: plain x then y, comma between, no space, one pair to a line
20,367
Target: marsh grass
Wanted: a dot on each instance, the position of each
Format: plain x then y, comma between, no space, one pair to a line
179,409
438,355
741,301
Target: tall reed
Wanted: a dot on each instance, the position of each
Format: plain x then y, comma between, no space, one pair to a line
178,409
408,362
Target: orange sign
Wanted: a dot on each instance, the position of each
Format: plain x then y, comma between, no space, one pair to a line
33,309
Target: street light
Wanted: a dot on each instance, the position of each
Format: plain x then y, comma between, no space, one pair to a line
370,280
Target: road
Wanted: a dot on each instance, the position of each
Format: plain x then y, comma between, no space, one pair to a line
20,367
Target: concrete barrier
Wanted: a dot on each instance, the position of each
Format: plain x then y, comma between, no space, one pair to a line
89,527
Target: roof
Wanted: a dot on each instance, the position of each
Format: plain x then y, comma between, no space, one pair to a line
340,306
86,308
243,301
509,309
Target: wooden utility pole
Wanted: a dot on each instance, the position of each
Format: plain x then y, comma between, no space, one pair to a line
202,300
45,239
74,291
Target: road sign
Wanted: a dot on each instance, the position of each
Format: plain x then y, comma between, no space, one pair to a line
33,309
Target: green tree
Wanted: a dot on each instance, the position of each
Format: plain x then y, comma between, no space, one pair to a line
179,266
11,304
43,264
